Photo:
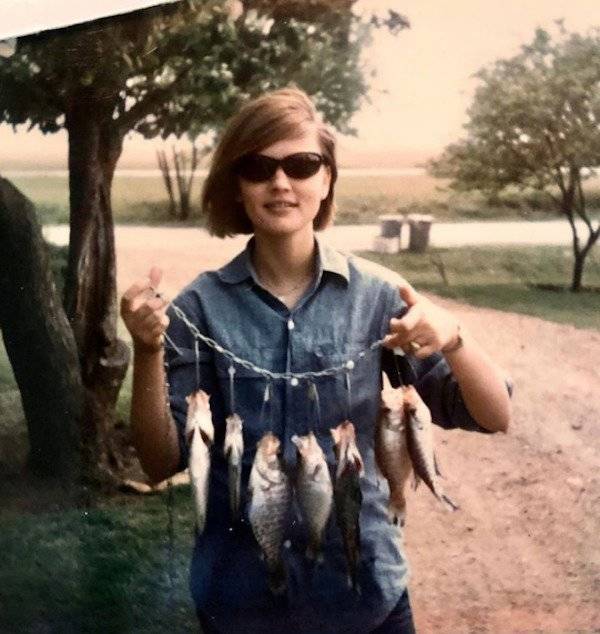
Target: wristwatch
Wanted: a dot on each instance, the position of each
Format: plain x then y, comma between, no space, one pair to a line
457,345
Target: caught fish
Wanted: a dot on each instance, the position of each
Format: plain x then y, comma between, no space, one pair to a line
200,435
314,490
347,494
391,448
420,444
234,449
271,495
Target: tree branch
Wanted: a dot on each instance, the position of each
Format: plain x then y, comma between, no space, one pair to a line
581,203
148,104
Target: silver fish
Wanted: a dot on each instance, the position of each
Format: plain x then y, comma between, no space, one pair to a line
391,449
314,490
200,435
234,449
347,494
420,444
271,495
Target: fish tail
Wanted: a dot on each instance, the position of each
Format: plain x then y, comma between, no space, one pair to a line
353,581
352,557
277,578
200,522
313,549
397,512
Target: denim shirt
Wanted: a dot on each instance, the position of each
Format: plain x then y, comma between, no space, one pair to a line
346,309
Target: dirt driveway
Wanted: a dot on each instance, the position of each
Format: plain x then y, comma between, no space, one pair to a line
523,552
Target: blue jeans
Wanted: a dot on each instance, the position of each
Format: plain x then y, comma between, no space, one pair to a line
398,621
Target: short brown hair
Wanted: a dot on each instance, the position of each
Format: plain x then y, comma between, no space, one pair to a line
274,116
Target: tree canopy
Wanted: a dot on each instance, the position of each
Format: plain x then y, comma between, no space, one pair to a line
186,66
535,123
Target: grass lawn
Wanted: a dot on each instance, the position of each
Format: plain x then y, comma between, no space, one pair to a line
109,569
501,278
360,199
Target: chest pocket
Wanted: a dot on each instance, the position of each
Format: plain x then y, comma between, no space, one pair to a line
337,403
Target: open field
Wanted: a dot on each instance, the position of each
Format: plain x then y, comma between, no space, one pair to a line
361,197
505,278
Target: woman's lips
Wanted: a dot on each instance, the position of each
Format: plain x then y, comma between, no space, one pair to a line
279,205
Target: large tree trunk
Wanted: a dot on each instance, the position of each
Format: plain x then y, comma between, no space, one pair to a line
90,292
39,341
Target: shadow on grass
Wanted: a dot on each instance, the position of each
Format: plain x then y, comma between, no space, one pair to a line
560,288
109,569
581,310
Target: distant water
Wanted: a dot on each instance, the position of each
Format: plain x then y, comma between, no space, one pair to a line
155,173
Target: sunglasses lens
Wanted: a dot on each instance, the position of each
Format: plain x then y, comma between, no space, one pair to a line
302,165
258,168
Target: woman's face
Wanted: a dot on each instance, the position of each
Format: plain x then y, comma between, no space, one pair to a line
283,206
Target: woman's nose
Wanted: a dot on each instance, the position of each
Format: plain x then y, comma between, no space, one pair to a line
280,180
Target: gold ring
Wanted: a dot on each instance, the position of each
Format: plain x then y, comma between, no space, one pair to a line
414,346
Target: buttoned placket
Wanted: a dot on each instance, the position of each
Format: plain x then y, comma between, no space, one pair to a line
294,389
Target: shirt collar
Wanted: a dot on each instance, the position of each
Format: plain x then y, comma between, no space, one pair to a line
328,259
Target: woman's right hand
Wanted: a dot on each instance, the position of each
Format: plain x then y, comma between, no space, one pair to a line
143,310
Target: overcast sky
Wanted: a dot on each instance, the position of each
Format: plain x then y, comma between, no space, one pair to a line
426,71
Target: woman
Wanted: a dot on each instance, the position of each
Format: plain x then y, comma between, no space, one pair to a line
289,303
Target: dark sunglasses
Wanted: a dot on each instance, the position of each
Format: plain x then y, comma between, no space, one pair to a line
258,168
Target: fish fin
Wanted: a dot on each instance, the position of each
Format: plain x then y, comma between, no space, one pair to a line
416,481
385,382
205,437
436,466
335,433
190,436
448,503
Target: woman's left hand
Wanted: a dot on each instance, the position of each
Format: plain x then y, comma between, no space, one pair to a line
424,328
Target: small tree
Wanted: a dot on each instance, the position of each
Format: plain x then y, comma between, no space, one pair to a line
535,123
179,188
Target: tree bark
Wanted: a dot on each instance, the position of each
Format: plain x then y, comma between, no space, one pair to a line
90,290
577,277
39,342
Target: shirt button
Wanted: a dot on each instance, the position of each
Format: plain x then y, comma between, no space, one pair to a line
291,325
